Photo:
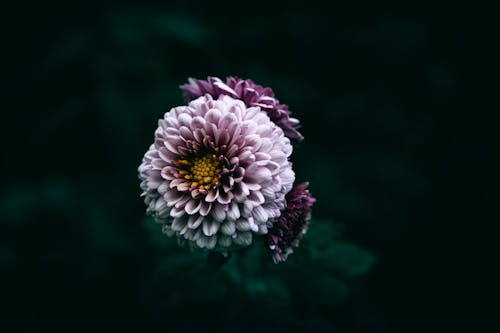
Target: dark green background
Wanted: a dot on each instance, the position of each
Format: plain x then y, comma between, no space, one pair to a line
395,135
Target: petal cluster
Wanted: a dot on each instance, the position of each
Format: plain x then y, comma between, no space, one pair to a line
217,172
251,94
292,224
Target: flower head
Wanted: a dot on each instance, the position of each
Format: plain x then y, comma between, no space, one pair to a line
251,94
217,172
292,224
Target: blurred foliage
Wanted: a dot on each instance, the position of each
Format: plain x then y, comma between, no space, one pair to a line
314,278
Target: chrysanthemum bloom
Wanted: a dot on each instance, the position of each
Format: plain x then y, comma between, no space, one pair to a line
251,94
289,228
218,172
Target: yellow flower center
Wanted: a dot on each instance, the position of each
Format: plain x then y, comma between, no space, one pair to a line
201,171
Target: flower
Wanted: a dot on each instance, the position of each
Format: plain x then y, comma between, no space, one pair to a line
251,94
289,228
217,173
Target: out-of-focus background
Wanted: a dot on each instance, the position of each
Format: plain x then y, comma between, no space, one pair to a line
391,143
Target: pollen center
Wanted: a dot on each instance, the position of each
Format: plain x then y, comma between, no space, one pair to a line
201,171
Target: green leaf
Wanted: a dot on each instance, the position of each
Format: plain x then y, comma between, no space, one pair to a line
347,260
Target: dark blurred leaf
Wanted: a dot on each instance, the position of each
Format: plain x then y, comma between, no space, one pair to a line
184,28
345,259
323,289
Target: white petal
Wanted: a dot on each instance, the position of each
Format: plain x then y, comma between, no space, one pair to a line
199,134
202,241
227,119
158,164
225,197
205,208
184,186
254,141
198,122
218,212
287,176
260,215
244,189
278,156
167,230
222,138
257,174
212,195
243,225
197,235
262,229
211,242
256,197
182,203
266,145
178,224
183,231
160,205
253,187
245,155
213,116
210,227
193,206
259,156
171,131
177,212
172,197
163,188
243,238
248,206
253,226
224,241
234,212
185,119
268,193
228,228
194,221
273,167
176,182
186,133
189,234
170,146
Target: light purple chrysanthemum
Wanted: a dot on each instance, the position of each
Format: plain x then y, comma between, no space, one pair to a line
292,224
217,172
251,94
